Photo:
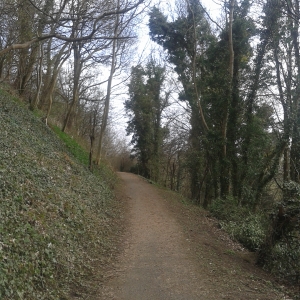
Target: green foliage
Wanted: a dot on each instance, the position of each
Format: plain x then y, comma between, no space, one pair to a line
285,260
242,225
280,252
55,215
26,255
79,153
226,146
178,37
144,108
224,209
249,231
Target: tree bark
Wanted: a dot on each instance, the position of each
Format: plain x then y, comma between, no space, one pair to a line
77,71
109,87
39,79
224,161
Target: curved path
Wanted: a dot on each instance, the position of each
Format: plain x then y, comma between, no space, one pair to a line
161,261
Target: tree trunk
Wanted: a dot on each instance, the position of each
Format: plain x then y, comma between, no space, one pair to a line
224,162
109,86
77,71
92,138
259,62
39,79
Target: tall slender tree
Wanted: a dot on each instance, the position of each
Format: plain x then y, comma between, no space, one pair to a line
186,40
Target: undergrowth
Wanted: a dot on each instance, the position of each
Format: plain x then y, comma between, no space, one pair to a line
56,217
240,222
78,152
104,170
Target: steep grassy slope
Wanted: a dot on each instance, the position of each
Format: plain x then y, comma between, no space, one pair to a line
55,216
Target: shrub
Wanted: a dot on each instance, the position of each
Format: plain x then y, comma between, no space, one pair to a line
227,209
285,260
249,231
240,222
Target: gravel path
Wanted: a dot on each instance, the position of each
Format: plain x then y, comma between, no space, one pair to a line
170,252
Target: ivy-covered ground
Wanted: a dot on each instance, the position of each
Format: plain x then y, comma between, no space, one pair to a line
56,217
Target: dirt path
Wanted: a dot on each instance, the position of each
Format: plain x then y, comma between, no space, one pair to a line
172,251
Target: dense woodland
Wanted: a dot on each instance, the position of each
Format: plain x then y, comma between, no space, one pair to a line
215,115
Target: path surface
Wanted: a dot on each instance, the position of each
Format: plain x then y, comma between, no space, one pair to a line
172,252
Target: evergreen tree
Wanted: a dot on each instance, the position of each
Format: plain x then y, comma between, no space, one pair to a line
211,71
186,40
144,108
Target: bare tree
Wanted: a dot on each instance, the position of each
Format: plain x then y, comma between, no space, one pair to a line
63,31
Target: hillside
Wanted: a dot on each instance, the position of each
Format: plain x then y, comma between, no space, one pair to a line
56,217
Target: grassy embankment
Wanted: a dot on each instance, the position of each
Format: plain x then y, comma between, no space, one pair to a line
56,217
